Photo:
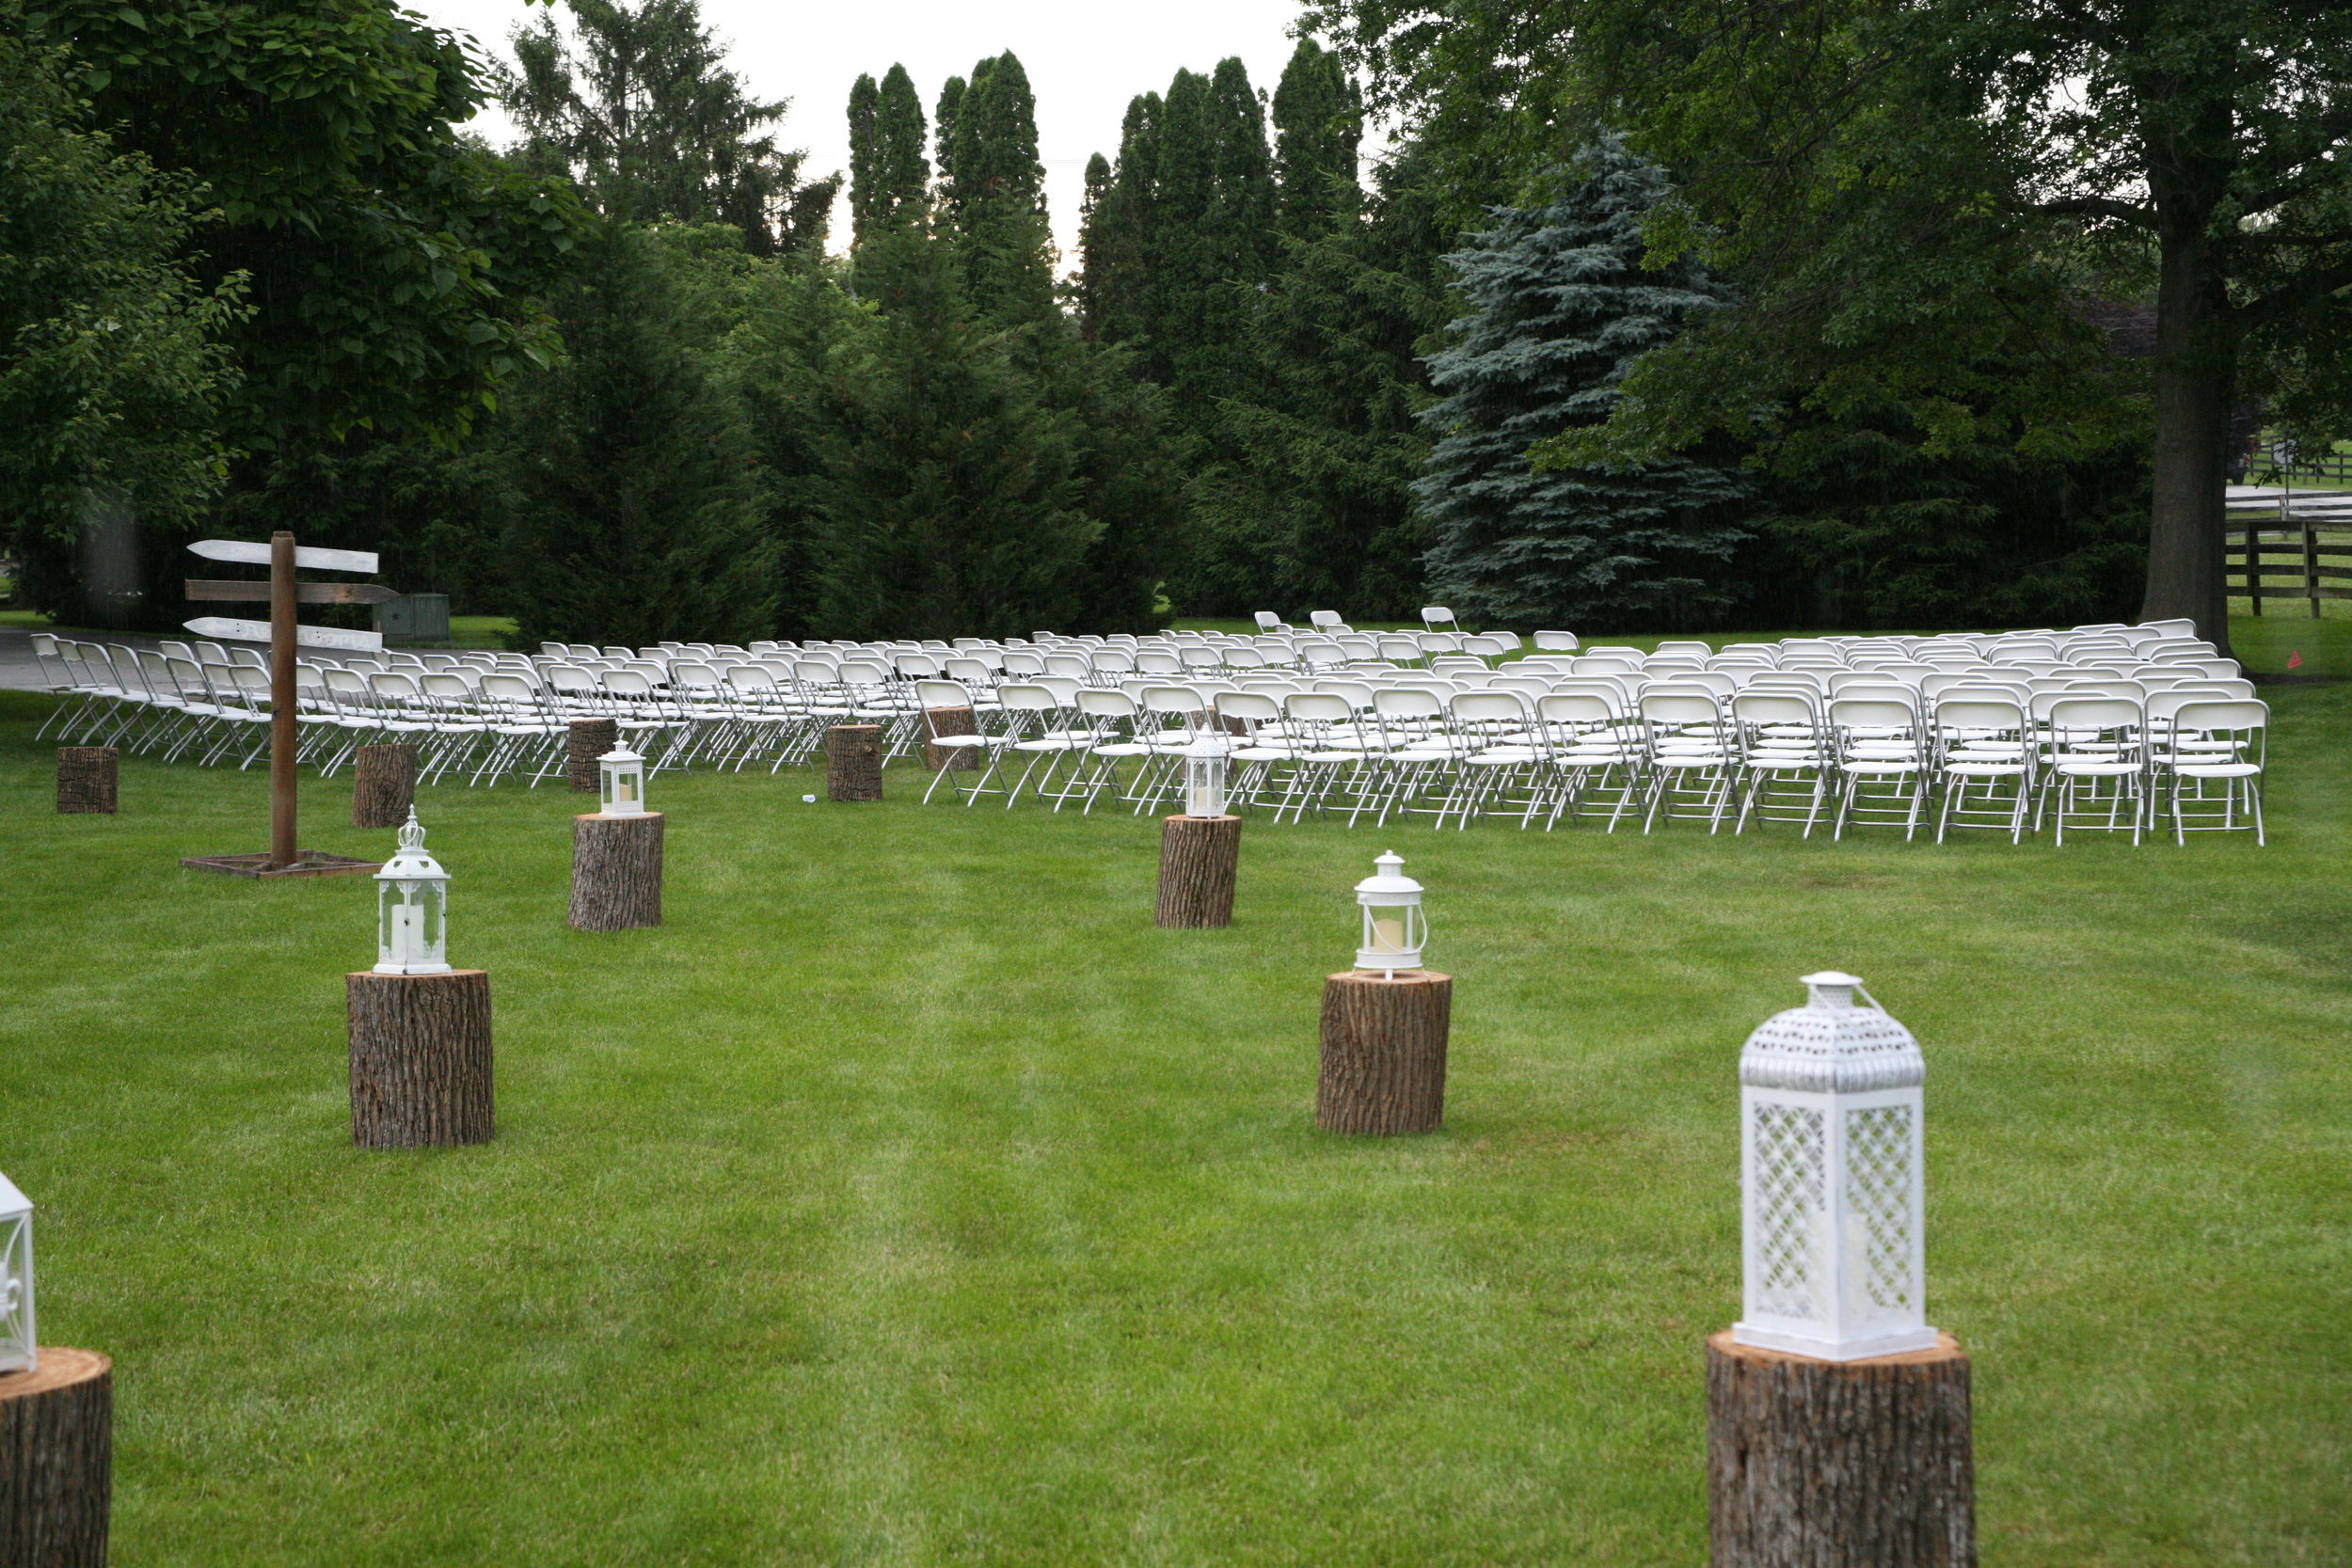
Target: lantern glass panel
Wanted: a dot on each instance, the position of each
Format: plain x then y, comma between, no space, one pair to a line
622,774
1204,784
18,1347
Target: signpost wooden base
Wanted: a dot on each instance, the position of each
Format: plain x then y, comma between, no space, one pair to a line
853,765
1384,1041
383,785
85,780
306,862
1839,1464
590,739
617,872
419,1058
56,1460
1199,859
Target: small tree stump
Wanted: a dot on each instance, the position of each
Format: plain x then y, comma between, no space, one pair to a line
949,721
854,762
56,1460
85,779
383,785
1383,1043
617,872
591,739
419,1060
1839,1464
1198,857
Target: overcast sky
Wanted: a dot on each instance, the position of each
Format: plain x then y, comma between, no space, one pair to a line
1084,60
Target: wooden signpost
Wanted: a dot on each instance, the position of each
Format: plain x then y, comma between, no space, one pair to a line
282,592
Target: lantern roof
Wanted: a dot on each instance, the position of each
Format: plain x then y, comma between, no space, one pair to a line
12,1202
1388,877
1831,1046
620,752
413,861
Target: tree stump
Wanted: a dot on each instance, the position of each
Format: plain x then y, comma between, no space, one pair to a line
1198,857
854,762
56,1460
1839,1464
591,739
85,779
419,1060
1383,1067
617,872
383,785
949,721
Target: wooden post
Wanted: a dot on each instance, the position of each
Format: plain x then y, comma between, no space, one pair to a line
853,767
2311,563
949,721
1198,857
419,1058
383,785
56,1460
591,739
617,872
1839,1464
85,779
1383,1067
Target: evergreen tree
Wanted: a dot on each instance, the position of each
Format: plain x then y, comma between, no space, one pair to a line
997,195
1319,116
944,129
1115,241
1561,306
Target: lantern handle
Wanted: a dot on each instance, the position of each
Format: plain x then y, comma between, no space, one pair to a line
1876,1005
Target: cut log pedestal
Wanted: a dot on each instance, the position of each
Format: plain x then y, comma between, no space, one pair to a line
1384,1041
419,1060
1839,1464
854,762
617,872
949,721
1198,858
56,1460
590,739
383,785
85,780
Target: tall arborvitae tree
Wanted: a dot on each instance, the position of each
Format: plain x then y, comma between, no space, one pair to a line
1319,121
995,195
890,176
1114,242
1561,305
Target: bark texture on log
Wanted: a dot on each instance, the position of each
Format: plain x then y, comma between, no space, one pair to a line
56,1460
854,762
1198,857
1384,1044
591,739
419,1060
85,779
1839,1464
949,721
383,785
617,872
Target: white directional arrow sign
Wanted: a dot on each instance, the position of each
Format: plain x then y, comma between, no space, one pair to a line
308,637
306,557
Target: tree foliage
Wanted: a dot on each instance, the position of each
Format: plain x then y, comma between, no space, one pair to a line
993,194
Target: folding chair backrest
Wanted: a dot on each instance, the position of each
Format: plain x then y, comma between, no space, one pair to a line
627,683
1436,615
938,693
1767,707
1556,641
1408,702
1256,707
1980,713
2105,715
2239,716
1681,707
1576,707
968,669
1028,697
1485,648
1324,618
1102,702
749,679
1112,661
508,688
1873,713
1173,699
1269,620
398,684
1319,708
1690,646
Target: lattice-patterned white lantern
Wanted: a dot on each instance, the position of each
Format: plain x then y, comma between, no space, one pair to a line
412,909
622,774
1394,928
1204,779
1830,1180
17,1345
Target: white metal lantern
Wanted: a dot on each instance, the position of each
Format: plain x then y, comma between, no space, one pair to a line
412,909
621,772
1394,928
1830,1176
18,1349
1204,779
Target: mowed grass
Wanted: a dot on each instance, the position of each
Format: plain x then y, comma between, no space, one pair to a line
908,1199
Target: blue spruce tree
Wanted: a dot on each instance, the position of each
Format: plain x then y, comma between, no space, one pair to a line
1561,306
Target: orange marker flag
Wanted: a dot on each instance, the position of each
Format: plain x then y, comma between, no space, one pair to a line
2294,659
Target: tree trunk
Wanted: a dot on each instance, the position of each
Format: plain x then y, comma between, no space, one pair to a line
853,765
1198,857
617,872
591,739
383,785
56,1460
419,1060
1839,1464
1383,1067
85,779
2196,380
949,721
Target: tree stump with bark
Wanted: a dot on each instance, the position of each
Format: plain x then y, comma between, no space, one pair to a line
419,1060
854,762
1198,858
85,779
1816,1463
56,1460
383,785
617,872
949,721
1383,1067
590,739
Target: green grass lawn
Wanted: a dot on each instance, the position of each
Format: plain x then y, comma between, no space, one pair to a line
908,1199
